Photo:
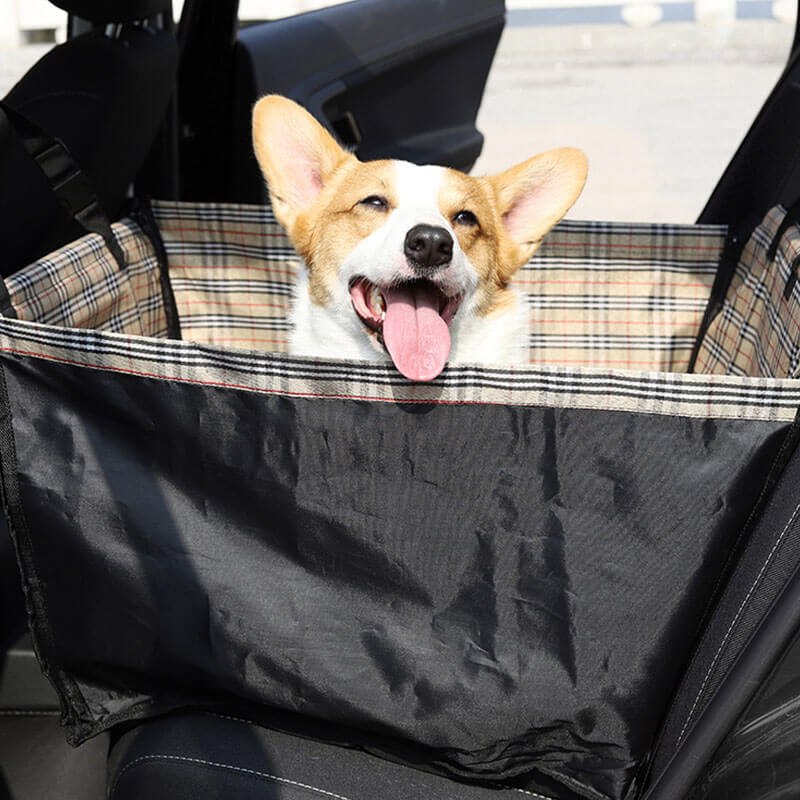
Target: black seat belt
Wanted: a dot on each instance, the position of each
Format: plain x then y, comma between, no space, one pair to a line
69,183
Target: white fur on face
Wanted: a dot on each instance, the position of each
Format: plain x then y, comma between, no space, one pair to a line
335,331
380,258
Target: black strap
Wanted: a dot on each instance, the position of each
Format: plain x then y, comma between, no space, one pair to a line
71,187
6,309
729,260
142,212
792,280
792,218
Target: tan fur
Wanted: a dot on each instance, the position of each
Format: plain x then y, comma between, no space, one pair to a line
494,251
337,223
550,183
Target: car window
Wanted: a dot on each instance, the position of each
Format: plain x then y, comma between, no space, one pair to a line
658,106
658,95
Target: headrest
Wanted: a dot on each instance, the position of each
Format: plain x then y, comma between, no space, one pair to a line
113,10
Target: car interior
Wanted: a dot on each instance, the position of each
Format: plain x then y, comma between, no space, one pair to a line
149,106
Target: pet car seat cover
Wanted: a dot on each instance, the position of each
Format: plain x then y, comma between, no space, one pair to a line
367,562
501,574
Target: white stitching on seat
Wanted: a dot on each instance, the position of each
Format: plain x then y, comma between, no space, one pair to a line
219,765
529,793
250,722
229,717
736,619
267,775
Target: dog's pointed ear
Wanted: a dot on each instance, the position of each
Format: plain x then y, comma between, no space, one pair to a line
296,154
534,195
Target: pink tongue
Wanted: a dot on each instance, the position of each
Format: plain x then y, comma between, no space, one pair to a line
417,338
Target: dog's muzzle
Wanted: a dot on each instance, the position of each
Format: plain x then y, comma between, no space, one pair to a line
428,248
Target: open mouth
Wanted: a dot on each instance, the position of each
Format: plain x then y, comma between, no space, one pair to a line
412,319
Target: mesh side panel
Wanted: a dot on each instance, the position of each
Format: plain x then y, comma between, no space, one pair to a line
757,332
600,294
81,286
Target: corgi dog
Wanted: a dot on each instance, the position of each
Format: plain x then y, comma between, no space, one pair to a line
404,262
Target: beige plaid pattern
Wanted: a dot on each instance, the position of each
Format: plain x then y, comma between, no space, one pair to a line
757,332
700,396
620,296
615,306
232,269
82,286
603,295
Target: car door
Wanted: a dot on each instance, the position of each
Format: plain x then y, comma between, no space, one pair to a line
391,78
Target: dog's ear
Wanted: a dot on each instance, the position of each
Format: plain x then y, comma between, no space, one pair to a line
535,194
296,154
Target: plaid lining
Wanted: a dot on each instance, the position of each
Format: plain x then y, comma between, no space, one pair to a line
232,269
702,396
604,296
757,332
600,294
81,286
620,296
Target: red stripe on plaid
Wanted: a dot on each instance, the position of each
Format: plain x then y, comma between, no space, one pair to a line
237,341
552,242
596,283
63,283
649,323
228,303
263,268
231,385
624,363
181,229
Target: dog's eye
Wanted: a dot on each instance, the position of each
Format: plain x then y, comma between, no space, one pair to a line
465,217
375,201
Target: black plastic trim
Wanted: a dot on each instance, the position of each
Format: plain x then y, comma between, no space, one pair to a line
734,694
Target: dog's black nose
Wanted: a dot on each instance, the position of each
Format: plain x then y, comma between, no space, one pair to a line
428,247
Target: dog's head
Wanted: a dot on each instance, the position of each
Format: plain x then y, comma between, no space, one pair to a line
400,249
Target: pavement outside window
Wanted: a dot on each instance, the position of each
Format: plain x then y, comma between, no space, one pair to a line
659,111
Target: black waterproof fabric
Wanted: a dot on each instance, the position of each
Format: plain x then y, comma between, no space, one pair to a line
516,589
745,639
